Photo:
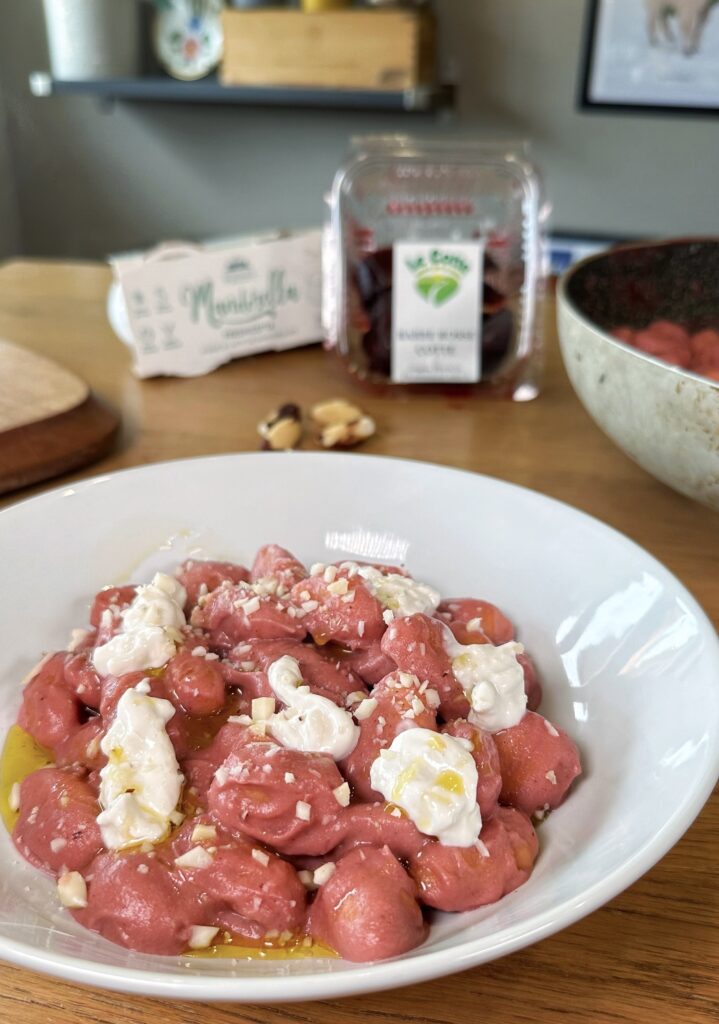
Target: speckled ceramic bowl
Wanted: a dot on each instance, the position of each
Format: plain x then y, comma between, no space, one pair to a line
663,417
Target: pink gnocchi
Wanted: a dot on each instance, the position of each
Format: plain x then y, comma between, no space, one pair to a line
314,752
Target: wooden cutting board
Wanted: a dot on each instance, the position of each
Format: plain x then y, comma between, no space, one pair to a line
50,422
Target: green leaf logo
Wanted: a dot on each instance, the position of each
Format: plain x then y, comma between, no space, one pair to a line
436,287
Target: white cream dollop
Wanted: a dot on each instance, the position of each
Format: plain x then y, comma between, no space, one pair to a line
309,722
400,594
149,632
159,603
141,783
433,778
492,679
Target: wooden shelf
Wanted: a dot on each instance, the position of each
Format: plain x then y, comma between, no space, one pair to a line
162,89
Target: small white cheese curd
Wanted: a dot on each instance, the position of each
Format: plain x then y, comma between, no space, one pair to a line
399,594
492,679
149,631
72,890
434,780
309,722
141,783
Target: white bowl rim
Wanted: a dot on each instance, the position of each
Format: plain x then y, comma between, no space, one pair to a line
564,297
375,977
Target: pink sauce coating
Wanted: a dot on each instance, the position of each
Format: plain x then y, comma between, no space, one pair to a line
243,791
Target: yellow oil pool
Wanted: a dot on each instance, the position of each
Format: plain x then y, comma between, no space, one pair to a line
297,948
20,757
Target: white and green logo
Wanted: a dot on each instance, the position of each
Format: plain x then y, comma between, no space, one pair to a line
438,275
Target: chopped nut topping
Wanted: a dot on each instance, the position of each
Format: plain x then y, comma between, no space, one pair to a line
204,832
365,708
240,719
324,873
201,936
354,697
342,794
303,810
72,890
339,587
197,857
263,708
14,798
251,606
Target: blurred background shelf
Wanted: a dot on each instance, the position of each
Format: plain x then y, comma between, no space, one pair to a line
162,89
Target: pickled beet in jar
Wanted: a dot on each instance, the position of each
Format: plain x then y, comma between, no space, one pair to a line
433,265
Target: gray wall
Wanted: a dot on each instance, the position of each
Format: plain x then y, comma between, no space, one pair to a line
91,181
9,220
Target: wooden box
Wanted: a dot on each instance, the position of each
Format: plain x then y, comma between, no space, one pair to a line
352,49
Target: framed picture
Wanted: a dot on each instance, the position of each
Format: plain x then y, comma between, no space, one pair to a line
652,55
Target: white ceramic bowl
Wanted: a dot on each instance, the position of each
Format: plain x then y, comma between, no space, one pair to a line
629,662
663,417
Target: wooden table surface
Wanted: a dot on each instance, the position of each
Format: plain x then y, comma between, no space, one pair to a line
652,954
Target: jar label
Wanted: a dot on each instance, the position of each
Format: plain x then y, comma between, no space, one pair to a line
436,311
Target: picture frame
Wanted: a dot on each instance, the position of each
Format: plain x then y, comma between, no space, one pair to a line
651,56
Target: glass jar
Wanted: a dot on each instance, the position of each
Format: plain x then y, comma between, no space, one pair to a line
434,262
